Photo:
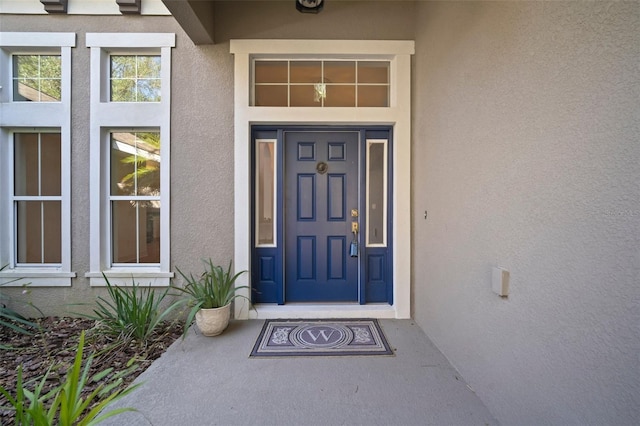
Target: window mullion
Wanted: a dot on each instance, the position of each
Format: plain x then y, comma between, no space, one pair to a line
137,232
41,232
39,164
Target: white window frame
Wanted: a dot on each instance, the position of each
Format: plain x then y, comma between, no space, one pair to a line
107,116
397,115
34,117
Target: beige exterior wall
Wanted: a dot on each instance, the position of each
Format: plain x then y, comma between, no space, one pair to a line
526,156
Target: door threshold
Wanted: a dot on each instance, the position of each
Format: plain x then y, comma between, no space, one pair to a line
321,311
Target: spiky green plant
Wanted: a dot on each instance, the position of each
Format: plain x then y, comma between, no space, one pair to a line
215,288
131,313
65,405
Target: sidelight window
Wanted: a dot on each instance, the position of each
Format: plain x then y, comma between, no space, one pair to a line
376,193
265,192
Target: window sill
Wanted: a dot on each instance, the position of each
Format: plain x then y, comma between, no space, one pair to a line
128,278
31,278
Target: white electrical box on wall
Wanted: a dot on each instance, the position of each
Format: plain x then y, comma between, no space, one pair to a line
500,281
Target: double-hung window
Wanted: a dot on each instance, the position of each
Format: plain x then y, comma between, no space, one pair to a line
129,155
35,151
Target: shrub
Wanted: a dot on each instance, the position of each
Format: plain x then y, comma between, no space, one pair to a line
131,312
64,405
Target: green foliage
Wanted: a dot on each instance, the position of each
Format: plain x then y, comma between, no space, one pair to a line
214,289
64,405
13,320
131,312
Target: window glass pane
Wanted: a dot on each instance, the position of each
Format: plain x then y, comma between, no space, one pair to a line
123,66
25,89
135,163
265,194
37,168
37,78
50,67
340,96
307,95
150,237
50,90
373,96
123,90
39,235
125,227
135,78
26,66
50,163
149,90
340,72
271,96
373,72
26,159
135,231
306,71
29,231
148,66
376,203
271,72
52,219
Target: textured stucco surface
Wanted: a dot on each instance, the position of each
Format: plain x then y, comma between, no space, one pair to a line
526,155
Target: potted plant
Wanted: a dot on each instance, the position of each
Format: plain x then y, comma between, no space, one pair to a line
209,298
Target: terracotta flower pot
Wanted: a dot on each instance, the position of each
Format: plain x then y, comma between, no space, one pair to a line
212,322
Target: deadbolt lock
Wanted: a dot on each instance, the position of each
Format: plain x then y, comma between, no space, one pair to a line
354,227
354,212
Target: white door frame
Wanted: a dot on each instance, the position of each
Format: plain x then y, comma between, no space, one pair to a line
397,115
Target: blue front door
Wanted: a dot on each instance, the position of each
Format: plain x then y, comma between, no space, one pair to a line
310,186
321,204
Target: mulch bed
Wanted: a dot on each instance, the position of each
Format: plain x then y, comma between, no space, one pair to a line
55,343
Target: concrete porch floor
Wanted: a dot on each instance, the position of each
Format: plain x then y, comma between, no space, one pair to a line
212,381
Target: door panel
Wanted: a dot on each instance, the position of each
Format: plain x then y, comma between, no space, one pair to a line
321,185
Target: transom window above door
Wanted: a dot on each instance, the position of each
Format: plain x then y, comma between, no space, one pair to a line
320,83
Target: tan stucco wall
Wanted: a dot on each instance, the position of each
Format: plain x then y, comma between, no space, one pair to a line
526,156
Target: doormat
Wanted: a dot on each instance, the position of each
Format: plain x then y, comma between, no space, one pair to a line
325,337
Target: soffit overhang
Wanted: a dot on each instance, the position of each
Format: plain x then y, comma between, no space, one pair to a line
195,17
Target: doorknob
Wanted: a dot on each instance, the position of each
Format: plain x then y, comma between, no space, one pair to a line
354,227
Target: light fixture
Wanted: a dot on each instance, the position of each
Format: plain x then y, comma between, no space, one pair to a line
309,6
